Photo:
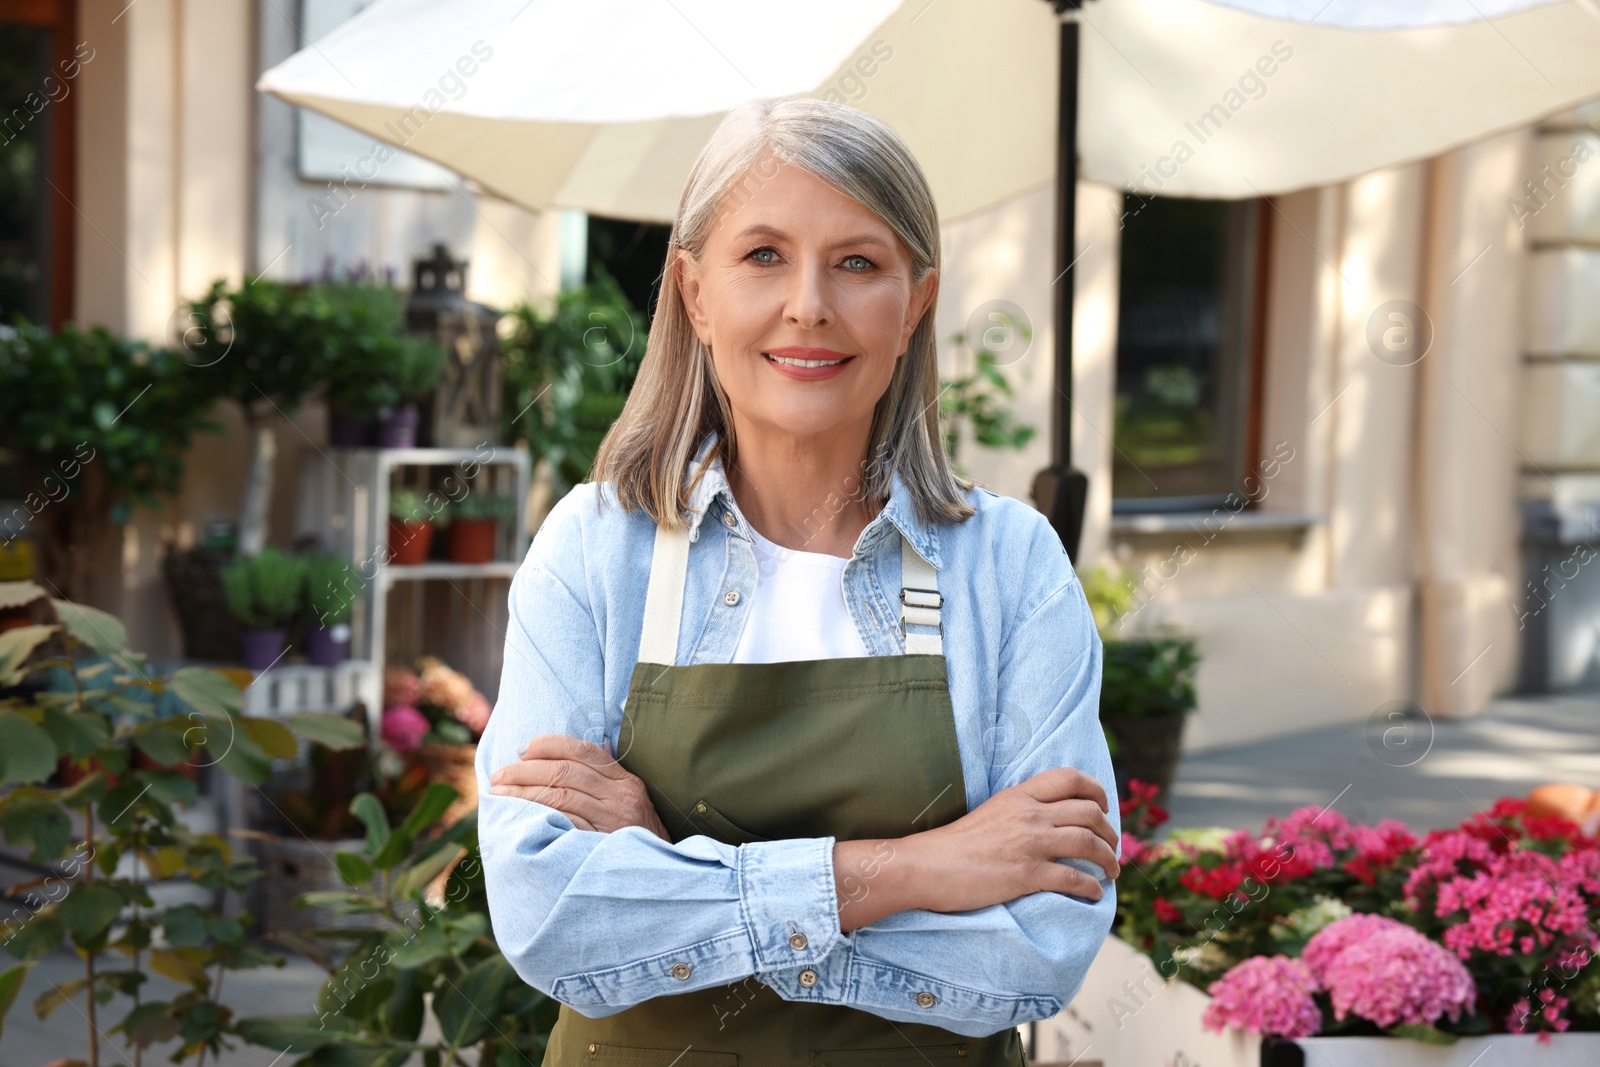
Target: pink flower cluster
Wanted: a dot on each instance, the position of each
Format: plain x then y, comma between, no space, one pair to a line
1372,967
1265,995
439,688
1387,972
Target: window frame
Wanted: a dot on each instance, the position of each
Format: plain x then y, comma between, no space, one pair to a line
1251,387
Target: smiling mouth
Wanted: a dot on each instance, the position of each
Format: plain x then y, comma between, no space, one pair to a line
790,362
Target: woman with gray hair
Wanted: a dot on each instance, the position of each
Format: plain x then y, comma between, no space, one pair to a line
797,757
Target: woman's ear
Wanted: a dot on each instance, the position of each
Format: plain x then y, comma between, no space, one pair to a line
922,295
689,290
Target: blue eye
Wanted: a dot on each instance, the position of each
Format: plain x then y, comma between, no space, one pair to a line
755,252
863,259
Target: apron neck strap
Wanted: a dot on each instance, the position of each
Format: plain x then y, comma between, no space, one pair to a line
669,567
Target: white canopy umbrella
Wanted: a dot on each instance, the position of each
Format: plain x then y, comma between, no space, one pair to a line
603,105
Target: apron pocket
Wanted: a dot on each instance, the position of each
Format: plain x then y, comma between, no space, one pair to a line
953,1054
656,1057
713,823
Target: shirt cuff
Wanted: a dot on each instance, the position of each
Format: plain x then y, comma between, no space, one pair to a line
790,903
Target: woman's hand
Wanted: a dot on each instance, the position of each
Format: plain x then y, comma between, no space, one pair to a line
1007,846
582,781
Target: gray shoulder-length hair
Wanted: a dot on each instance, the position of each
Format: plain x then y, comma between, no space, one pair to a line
676,399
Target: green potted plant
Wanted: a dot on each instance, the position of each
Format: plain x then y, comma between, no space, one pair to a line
96,425
565,374
1147,684
475,526
264,593
332,585
412,365
412,515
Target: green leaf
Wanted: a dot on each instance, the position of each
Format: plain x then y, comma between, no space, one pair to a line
57,995
179,968
27,754
416,877
429,944
295,1033
38,820
89,911
75,734
36,935
466,1009
16,646
273,737
325,728
184,926
353,868
10,986
98,629
369,809
206,691
394,852
171,787
163,741
239,754
435,799
363,1055
1427,1034
150,1023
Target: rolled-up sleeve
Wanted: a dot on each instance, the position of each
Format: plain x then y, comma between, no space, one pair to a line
991,968
603,921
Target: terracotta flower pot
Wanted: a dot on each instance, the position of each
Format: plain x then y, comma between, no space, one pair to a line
409,541
472,540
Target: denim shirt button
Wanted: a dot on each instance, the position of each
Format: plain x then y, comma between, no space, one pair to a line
680,971
808,978
728,520
925,999
731,598
797,941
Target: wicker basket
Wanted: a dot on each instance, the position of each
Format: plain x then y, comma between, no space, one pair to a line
294,865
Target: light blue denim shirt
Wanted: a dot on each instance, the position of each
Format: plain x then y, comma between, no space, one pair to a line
596,920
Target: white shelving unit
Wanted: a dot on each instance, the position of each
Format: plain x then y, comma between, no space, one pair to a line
454,610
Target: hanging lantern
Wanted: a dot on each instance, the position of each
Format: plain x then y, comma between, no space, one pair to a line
464,411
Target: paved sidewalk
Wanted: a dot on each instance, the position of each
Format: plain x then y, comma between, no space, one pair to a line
1518,743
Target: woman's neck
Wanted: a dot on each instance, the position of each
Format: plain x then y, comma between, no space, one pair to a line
807,494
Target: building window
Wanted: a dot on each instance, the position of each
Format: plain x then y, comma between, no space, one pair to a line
38,62
1188,351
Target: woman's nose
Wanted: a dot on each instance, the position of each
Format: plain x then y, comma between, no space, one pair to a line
809,301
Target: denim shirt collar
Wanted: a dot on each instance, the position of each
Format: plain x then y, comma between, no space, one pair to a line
899,513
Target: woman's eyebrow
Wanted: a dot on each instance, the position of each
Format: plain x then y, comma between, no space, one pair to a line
761,229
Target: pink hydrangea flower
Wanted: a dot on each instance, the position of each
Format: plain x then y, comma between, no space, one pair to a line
1265,995
475,712
401,687
444,687
1388,973
404,728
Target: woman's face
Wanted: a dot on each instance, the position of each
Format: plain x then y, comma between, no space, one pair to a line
806,301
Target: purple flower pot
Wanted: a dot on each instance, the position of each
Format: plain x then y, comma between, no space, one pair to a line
399,429
327,647
349,431
260,649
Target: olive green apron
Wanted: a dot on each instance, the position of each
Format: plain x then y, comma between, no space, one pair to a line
744,752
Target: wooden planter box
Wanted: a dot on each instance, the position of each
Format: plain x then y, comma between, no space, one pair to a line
1125,1015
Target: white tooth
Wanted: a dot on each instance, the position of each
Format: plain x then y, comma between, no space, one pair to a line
806,362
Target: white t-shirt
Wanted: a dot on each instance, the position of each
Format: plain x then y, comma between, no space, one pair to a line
797,610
